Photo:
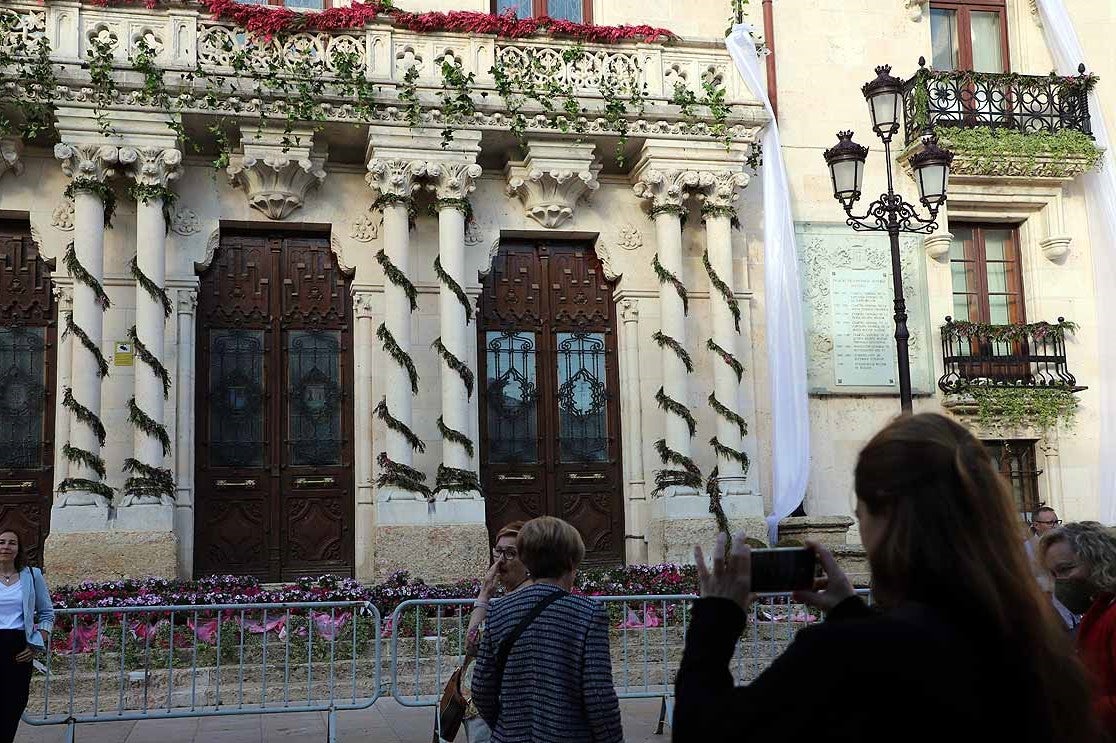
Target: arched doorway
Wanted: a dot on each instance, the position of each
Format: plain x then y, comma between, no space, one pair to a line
550,412
28,330
274,410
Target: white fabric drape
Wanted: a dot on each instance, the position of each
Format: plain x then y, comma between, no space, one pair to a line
786,342
1100,189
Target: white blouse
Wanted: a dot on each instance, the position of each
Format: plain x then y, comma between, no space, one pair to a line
11,606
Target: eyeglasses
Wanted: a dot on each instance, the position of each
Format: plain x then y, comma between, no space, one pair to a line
1056,522
505,553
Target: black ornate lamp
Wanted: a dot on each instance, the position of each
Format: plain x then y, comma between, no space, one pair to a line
885,101
846,168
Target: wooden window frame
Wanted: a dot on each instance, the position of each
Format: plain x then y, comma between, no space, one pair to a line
964,28
539,9
976,254
1003,451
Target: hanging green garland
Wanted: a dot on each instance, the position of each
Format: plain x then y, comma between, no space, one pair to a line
394,474
148,480
98,189
676,209
728,414
396,352
72,328
145,192
454,480
83,414
721,210
689,476
454,287
456,364
722,289
83,485
86,458
713,490
670,404
147,424
462,205
145,355
156,292
726,357
450,434
78,273
398,426
730,453
392,199
397,277
666,277
665,340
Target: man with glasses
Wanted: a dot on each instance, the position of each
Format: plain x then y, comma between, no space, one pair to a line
1043,520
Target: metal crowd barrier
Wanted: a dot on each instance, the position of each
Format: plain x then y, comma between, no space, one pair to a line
151,662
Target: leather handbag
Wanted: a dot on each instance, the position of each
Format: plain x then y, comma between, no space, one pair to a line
451,709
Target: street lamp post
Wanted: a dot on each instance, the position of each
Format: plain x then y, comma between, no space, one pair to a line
890,213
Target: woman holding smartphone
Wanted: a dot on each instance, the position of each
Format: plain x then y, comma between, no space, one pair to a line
26,619
960,645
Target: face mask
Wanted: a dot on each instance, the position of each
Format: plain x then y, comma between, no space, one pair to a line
1074,593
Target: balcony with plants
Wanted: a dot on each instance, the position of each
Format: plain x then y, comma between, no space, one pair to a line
1004,124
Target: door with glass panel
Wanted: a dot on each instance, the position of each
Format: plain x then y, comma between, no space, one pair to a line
27,368
274,419
550,415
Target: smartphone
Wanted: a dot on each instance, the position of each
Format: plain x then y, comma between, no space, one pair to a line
783,569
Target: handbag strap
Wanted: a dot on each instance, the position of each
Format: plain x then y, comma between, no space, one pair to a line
505,647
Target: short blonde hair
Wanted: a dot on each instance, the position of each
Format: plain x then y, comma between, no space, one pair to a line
1094,544
510,529
550,547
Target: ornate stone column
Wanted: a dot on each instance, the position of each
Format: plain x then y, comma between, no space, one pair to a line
83,505
635,541
453,182
364,335
149,482
186,312
395,181
64,295
666,190
719,214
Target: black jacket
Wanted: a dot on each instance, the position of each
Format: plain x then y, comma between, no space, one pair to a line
912,674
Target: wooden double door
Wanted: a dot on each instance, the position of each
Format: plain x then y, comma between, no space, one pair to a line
274,472
28,335
550,414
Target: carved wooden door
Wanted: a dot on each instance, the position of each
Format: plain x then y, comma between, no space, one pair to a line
27,368
274,411
550,415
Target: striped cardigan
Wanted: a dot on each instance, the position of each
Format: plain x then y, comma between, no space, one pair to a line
557,685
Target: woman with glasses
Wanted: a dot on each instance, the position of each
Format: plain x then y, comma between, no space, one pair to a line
507,574
1082,559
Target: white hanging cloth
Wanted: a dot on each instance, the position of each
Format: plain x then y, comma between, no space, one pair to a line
786,341
1100,190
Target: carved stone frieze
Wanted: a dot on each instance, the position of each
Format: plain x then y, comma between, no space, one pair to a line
96,162
365,228
63,216
395,177
185,221
152,166
552,179
453,180
630,238
11,149
276,185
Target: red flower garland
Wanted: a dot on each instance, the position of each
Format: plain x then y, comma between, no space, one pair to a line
268,21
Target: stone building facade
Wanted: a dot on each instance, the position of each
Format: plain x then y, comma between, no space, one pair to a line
343,322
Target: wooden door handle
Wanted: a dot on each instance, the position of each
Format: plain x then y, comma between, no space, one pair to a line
25,485
518,478
594,476
309,482
236,483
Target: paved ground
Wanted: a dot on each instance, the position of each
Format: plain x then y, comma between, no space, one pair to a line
385,722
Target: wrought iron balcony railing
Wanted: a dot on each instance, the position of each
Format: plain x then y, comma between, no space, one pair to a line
1026,103
1020,355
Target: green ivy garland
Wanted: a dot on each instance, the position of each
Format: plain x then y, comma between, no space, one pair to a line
680,211
1016,407
145,355
726,357
146,192
666,277
408,95
1014,332
462,205
713,490
98,189
454,287
662,339
148,480
87,458
83,414
72,328
397,277
78,273
147,424
100,56
730,453
668,403
992,151
394,474
454,480
728,414
392,199
457,102
156,292
84,485
452,434
398,426
689,476
456,365
720,210
722,289
391,346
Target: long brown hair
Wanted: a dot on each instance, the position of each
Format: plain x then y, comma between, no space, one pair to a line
21,553
951,540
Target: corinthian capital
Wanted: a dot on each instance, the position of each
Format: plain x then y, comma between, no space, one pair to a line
276,184
552,179
721,189
87,161
668,188
152,166
395,177
10,150
452,180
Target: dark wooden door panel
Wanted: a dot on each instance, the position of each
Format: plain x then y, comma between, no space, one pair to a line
275,492
549,401
28,335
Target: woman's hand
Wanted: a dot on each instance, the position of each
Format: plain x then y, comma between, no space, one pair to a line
732,576
830,590
25,655
489,583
